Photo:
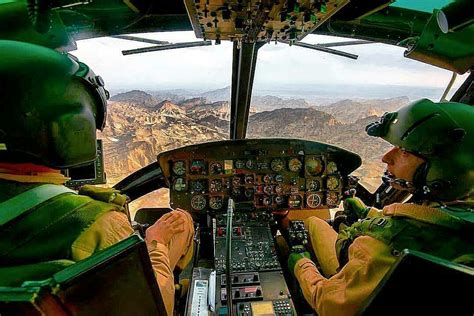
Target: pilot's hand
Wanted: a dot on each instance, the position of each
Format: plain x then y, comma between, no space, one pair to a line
166,227
294,258
355,209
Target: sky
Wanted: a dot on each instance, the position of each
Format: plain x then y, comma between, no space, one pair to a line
209,67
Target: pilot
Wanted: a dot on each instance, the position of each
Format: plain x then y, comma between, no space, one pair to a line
433,159
51,105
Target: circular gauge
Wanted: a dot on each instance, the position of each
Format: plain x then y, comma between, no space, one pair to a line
249,193
216,202
249,179
332,183
215,168
268,189
197,167
277,164
279,178
332,199
179,185
179,168
278,189
294,164
239,164
313,185
267,178
267,200
279,200
313,200
314,165
331,167
236,191
198,202
197,186
236,181
294,201
215,186
250,164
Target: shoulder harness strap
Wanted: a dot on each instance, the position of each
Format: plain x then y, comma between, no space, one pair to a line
17,205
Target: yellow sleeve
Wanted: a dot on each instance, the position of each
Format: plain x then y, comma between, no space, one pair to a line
107,230
344,292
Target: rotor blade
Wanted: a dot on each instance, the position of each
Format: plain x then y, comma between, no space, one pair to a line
348,43
165,47
323,49
139,39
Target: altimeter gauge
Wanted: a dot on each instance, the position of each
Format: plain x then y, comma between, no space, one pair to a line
332,183
215,186
294,164
313,200
198,202
179,168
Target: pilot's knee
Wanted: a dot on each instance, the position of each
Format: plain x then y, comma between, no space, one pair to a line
314,224
188,224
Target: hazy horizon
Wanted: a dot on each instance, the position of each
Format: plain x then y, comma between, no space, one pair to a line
381,70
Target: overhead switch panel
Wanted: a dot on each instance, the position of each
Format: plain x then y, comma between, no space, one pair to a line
259,20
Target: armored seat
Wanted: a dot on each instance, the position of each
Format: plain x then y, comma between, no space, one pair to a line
421,284
118,280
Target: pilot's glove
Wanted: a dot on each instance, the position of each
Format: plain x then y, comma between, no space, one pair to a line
355,209
294,258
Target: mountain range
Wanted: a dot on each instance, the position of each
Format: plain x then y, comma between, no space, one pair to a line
140,125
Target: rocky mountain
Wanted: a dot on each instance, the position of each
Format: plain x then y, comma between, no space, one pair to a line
348,111
136,97
134,135
269,102
288,122
139,126
217,95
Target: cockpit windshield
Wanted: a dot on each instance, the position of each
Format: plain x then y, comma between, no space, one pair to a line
172,98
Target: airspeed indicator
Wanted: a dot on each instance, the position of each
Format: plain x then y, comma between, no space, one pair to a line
179,168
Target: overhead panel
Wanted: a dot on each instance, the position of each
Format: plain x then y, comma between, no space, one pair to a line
259,20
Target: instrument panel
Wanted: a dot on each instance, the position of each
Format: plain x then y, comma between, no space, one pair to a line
270,174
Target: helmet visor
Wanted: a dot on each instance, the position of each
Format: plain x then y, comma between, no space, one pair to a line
381,127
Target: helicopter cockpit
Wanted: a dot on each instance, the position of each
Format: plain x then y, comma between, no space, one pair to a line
248,197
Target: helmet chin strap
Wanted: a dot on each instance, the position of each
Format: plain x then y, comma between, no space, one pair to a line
418,187
397,183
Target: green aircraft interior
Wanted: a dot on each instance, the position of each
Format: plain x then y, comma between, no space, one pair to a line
234,188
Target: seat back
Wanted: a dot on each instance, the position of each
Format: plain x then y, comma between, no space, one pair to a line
118,280
421,284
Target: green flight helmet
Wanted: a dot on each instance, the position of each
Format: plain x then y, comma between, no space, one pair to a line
51,105
441,133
